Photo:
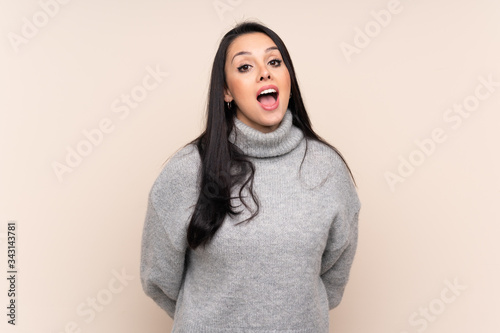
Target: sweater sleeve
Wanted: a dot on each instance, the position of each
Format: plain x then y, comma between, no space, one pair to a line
342,241
161,263
164,245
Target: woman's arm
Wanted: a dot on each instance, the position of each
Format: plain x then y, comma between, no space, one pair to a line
336,268
164,243
342,240
162,264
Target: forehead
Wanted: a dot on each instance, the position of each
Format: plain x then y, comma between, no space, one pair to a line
251,42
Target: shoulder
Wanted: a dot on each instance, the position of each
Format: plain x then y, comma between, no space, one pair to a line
326,157
183,163
179,174
329,162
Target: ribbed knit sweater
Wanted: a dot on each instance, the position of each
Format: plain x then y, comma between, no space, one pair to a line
280,272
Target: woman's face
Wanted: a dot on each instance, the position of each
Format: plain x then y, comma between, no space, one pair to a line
253,62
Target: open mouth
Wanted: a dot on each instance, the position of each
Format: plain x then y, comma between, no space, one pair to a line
268,97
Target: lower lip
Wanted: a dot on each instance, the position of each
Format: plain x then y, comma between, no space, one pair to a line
272,106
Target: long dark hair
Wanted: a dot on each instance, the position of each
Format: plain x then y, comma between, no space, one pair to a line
223,165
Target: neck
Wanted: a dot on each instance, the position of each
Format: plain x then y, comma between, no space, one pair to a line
255,143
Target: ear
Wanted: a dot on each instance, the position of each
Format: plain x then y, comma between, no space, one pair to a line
228,97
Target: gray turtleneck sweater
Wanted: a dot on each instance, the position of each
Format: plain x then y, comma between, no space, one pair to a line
282,271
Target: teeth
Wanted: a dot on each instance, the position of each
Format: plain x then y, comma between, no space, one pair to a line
267,91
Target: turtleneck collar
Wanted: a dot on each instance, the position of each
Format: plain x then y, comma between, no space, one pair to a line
258,144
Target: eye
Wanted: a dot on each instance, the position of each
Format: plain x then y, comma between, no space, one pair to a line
241,68
277,62
274,63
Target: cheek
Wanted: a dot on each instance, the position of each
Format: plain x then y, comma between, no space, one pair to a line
233,83
288,78
241,89
285,77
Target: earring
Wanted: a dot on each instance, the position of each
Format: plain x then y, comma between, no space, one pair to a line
229,105
290,94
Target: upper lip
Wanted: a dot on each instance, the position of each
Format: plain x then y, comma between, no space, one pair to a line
271,86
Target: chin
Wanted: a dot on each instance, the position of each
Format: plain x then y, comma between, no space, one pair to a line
264,118
272,119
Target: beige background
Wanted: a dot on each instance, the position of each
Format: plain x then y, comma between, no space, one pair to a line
436,225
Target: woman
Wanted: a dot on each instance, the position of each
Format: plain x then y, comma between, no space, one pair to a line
252,226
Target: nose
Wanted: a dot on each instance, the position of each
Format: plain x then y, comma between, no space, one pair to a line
265,74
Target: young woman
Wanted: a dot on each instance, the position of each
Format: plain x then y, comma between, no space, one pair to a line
252,226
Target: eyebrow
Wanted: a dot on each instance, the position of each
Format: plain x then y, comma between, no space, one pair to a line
246,52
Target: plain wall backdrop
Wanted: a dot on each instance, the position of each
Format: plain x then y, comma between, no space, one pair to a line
96,95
